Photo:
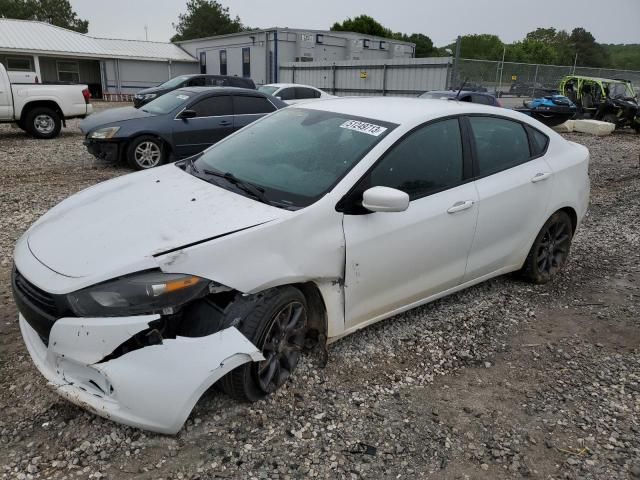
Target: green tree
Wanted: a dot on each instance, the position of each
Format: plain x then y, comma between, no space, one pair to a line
55,12
482,47
424,45
625,57
590,53
363,24
205,18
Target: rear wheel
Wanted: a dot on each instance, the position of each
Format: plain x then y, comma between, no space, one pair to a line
146,152
43,122
550,249
278,327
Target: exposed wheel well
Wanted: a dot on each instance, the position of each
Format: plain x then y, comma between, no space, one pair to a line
41,104
317,314
573,216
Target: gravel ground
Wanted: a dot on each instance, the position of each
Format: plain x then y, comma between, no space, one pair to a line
503,380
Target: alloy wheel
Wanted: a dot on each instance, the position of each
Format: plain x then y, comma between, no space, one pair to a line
553,248
282,347
147,154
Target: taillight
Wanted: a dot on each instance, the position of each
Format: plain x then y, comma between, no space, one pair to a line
86,94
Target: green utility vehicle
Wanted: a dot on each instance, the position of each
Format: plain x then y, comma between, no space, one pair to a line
606,99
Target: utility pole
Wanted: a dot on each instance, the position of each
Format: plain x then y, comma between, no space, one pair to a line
456,61
575,61
504,52
146,32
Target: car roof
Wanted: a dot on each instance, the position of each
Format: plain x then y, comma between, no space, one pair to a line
597,79
404,111
281,85
234,90
453,93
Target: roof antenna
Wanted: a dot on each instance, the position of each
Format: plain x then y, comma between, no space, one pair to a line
461,87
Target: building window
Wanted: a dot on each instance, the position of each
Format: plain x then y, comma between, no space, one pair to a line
319,38
68,72
365,43
19,64
246,62
223,62
203,62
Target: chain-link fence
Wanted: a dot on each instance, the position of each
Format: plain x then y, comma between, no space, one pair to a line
525,79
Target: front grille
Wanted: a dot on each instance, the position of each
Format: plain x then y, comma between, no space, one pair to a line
39,308
41,299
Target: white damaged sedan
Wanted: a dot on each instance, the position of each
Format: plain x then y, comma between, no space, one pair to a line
138,294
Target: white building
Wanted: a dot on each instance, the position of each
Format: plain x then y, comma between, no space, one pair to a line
106,65
259,53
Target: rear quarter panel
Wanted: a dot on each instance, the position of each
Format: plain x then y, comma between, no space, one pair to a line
68,97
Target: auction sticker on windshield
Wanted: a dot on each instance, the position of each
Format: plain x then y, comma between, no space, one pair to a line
363,127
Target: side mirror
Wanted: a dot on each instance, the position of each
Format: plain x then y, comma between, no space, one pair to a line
385,199
185,114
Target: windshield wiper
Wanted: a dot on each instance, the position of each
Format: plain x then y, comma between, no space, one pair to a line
248,187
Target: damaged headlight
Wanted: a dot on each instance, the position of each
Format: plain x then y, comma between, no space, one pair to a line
144,293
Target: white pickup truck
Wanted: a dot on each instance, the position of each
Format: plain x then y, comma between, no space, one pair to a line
39,109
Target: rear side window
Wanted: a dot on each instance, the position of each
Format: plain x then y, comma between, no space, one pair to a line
213,106
302,93
500,144
539,142
428,160
216,81
243,105
483,99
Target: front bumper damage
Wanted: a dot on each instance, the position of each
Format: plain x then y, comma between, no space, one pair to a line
154,387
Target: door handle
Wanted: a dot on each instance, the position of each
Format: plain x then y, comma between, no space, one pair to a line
459,206
540,176
225,123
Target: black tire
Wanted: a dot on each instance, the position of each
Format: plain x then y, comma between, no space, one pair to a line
550,250
266,327
146,152
42,122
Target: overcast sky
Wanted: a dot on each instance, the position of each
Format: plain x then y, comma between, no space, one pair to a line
611,21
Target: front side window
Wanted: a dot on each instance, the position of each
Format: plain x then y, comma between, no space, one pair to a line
500,144
303,93
296,155
243,105
68,72
428,160
174,82
197,82
213,106
287,94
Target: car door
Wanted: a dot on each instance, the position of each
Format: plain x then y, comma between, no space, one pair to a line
514,182
394,260
249,108
213,122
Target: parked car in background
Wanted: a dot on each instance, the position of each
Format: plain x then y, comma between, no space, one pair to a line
292,93
176,125
196,80
301,228
610,100
483,98
39,109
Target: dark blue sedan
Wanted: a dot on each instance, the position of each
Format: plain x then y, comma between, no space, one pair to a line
176,125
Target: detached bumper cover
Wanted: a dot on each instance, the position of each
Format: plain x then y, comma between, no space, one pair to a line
104,150
153,388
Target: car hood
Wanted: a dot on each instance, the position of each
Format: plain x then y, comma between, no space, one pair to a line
128,220
113,115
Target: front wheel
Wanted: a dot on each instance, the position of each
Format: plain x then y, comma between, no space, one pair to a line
278,327
43,123
146,152
550,250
